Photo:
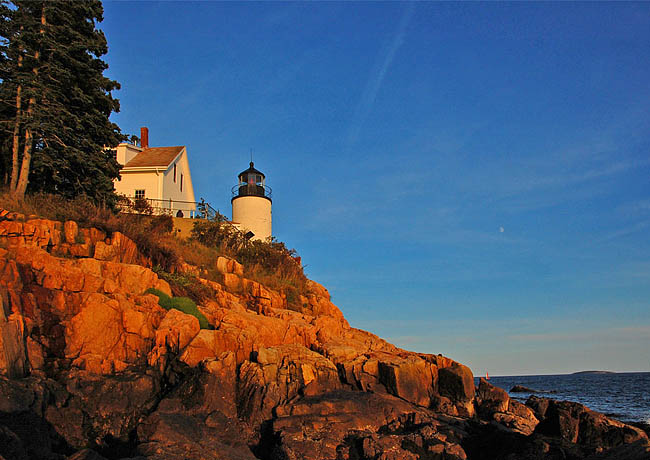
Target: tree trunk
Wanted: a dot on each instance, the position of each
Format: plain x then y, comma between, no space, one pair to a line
16,137
21,186
23,179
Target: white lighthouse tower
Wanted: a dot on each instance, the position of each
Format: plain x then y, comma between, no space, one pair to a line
251,204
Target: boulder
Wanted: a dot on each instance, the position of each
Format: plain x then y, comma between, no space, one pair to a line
245,332
204,345
598,430
562,419
318,302
576,423
173,335
490,399
13,359
278,375
493,403
226,265
232,282
538,405
456,382
85,275
518,417
126,250
104,251
71,230
111,333
408,377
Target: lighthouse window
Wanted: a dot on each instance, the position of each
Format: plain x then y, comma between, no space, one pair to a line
258,179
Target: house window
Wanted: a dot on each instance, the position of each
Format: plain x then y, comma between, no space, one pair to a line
174,172
181,182
139,194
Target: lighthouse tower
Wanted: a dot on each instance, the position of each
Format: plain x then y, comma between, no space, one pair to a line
251,204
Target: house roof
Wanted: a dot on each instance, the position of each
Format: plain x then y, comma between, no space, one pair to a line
155,156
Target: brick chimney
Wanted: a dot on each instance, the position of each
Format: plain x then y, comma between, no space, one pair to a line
144,137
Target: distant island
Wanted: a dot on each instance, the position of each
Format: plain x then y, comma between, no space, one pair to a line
593,372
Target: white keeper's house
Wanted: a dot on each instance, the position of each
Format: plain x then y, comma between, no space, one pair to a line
161,175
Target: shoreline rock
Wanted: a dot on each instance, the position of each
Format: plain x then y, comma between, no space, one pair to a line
523,389
92,368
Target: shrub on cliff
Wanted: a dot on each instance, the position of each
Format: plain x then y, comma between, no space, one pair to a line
183,304
219,234
273,264
270,263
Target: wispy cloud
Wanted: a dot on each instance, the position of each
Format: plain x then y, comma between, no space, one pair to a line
576,177
378,74
625,231
525,188
511,184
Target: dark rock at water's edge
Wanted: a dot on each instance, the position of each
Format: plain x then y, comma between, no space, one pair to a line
593,372
93,369
645,426
523,389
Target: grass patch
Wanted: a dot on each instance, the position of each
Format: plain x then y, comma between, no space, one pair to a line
197,254
184,304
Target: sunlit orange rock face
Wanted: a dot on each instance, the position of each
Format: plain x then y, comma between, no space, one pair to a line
97,369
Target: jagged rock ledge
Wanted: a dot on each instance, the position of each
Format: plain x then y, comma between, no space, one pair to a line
93,368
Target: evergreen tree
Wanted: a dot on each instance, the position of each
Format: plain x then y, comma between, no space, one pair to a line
56,102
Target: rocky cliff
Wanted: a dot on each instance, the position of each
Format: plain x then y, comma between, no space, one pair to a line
93,368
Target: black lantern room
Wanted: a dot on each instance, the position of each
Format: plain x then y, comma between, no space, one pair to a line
251,183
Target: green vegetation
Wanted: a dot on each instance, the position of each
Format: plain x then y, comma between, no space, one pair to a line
56,102
185,285
183,304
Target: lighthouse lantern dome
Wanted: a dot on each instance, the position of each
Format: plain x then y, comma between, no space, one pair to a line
251,203
251,176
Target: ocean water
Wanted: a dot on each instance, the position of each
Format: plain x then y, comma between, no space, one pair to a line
622,396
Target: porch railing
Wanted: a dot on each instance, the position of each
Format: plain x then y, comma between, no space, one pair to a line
174,208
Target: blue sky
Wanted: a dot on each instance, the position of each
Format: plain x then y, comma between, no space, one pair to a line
471,179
